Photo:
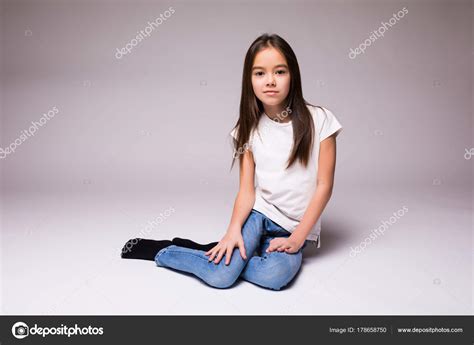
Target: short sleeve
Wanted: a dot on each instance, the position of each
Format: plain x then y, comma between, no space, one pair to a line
246,146
329,124
233,133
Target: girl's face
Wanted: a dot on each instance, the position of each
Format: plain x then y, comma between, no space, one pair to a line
271,77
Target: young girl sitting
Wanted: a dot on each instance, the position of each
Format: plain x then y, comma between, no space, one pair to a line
289,146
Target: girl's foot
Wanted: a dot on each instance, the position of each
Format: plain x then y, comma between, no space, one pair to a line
183,242
139,248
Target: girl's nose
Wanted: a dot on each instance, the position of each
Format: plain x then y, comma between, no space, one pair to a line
271,81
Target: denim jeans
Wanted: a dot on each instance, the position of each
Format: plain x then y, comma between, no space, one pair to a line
271,270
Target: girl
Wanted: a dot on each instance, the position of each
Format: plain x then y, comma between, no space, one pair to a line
289,146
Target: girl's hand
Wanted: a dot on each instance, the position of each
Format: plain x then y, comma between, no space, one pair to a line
226,246
284,244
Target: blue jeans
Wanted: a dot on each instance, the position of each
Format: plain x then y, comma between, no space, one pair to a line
271,270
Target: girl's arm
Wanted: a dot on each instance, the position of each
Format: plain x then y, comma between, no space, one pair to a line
325,181
246,196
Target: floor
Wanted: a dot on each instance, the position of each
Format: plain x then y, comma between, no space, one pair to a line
61,255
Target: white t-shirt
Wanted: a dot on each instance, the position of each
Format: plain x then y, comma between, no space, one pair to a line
284,195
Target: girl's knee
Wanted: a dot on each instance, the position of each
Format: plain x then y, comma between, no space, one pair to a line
224,276
279,274
221,280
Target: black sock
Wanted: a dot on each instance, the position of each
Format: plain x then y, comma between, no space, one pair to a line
183,242
139,248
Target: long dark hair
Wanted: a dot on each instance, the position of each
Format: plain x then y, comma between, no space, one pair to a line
251,107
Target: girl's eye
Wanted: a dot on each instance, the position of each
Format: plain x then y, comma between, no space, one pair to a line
279,72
